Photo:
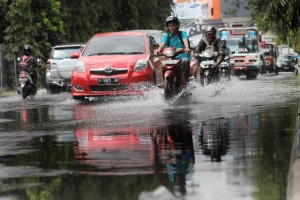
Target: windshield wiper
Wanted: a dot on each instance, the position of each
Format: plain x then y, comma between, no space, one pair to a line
135,52
115,53
97,54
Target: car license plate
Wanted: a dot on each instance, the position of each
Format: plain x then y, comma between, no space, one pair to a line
108,81
208,62
23,79
54,74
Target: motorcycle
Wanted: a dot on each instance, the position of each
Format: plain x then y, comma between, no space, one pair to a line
26,87
172,72
208,72
225,68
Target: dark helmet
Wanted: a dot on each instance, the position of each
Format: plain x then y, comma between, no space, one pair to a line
210,33
212,30
27,50
172,19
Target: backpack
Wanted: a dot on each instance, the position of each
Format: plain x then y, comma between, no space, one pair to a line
180,37
209,46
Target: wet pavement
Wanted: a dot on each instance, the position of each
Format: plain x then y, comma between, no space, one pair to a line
230,141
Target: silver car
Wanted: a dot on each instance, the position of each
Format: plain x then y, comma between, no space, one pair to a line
60,66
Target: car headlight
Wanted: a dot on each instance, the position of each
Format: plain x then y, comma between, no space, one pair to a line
79,67
141,65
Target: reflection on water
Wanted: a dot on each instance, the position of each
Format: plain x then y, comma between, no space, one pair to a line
245,155
214,138
175,152
126,150
114,151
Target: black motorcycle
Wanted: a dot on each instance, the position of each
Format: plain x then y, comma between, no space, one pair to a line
225,68
208,73
26,86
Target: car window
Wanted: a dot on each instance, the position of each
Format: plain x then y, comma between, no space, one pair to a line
284,58
158,37
106,45
61,53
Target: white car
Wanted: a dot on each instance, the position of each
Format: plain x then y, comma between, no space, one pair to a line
60,67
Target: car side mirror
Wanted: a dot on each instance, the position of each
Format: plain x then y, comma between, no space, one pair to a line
75,55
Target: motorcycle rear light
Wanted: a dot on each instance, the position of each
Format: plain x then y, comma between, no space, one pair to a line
23,75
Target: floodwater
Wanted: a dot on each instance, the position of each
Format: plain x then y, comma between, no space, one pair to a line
227,141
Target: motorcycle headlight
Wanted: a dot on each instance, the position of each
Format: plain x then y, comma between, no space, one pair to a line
207,54
79,67
141,65
169,52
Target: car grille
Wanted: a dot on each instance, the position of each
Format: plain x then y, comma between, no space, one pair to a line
111,72
108,87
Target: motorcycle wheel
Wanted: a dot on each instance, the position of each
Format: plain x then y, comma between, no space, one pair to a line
205,81
169,88
24,92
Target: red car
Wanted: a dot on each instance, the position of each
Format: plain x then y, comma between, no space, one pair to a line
116,63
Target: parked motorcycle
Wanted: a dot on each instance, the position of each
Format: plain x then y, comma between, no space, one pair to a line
26,87
172,72
208,73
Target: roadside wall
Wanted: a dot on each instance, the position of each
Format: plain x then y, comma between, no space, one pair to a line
293,186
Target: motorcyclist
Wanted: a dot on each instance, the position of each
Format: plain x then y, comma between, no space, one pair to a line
31,64
173,39
210,41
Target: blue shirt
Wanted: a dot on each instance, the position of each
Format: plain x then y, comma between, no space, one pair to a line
176,42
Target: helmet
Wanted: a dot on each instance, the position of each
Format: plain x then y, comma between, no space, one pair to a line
210,33
212,30
172,19
27,49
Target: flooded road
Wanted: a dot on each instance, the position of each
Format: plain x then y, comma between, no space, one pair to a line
228,141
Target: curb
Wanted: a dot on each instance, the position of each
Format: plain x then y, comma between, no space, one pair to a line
293,184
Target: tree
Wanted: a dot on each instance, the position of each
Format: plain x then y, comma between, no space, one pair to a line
45,23
34,22
3,11
281,17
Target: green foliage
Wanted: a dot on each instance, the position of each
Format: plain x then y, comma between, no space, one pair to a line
281,17
45,23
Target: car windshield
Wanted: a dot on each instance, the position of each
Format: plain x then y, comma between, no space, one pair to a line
157,37
285,58
110,45
61,53
241,40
